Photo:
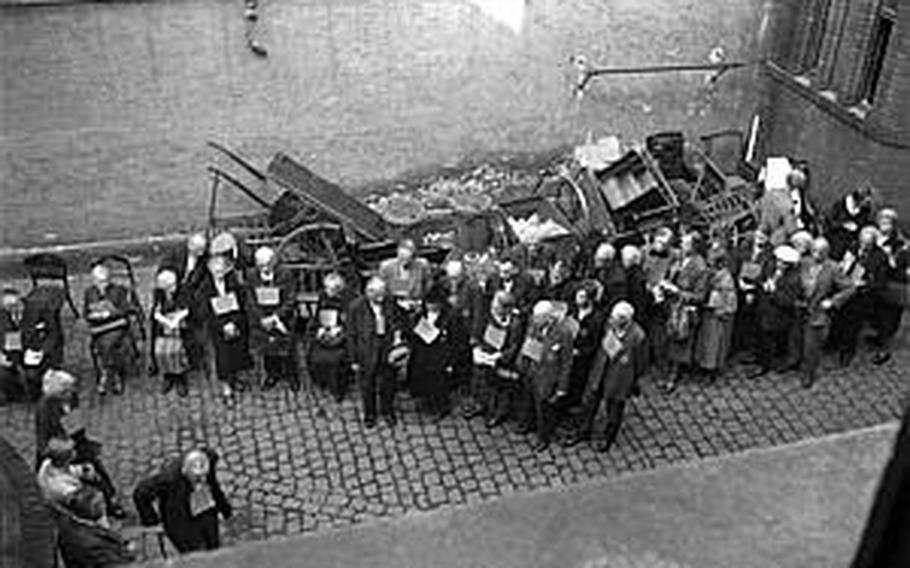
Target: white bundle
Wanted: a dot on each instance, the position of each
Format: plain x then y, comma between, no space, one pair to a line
534,230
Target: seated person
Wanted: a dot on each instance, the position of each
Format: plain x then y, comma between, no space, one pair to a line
12,386
68,484
107,308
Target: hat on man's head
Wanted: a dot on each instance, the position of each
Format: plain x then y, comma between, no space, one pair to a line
786,254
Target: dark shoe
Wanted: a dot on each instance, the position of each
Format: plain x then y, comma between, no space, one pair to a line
758,373
339,396
472,412
541,445
573,440
182,389
295,385
603,446
167,386
844,358
369,423
669,387
391,420
494,421
269,383
635,391
524,429
881,357
807,380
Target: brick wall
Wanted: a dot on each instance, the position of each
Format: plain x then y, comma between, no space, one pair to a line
845,151
107,106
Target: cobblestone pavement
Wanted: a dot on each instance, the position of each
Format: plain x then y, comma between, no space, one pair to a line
298,463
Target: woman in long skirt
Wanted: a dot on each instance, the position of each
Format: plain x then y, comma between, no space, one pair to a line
716,332
222,299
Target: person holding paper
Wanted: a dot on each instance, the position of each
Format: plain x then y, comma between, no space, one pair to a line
327,337
715,334
169,333
188,261
12,377
186,498
779,300
826,288
496,340
273,309
107,307
375,324
221,302
659,256
437,337
42,335
867,268
545,364
621,359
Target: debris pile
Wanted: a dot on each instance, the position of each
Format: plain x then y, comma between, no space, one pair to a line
471,192
533,229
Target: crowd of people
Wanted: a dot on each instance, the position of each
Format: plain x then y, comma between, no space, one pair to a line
540,336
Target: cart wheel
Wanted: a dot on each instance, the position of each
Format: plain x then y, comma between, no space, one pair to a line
315,243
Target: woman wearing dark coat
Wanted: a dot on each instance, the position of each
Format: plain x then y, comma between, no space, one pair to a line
186,498
845,219
437,337
590,319
221,302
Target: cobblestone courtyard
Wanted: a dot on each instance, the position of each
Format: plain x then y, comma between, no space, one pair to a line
299,463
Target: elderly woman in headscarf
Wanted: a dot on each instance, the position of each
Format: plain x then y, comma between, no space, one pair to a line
327,354
621,359
545,363
221,302
107,309
716,331
273,317
170,333
57,415
187,499
686,287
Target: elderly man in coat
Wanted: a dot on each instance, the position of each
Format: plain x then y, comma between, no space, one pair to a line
827,288
42,335
407,276
186,498
273,305
374,328
620,361
545,363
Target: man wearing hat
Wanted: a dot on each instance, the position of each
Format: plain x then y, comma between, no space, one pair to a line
107,308
779,299
545,363
374,330
621,359
510,278
273,306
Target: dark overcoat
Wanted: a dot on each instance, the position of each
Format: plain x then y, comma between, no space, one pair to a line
232,352
261,305
165,498
618,374
365,348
